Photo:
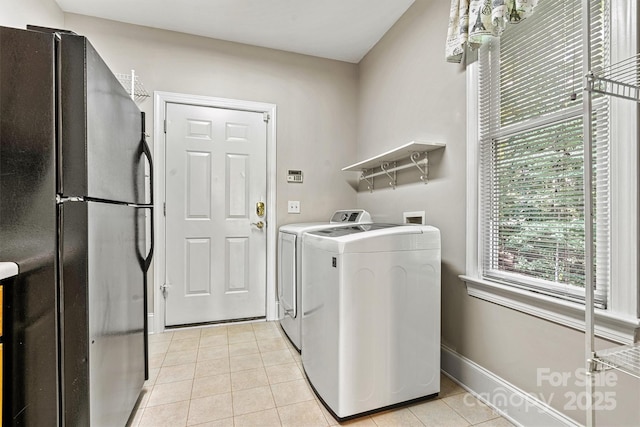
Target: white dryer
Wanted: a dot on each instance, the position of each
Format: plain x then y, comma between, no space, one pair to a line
371,316
290,267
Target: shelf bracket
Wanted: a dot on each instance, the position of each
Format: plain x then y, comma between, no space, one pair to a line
369,179
385,169
423,171
593,365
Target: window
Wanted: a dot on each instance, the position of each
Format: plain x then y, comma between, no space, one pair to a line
532,158
526,227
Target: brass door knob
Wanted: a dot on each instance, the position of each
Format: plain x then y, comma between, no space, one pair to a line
258,224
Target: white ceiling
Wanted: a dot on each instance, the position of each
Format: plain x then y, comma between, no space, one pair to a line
337,29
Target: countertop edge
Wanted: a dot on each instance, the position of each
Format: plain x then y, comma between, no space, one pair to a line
8,269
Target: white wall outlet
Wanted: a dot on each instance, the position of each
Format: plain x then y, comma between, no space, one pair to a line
293,206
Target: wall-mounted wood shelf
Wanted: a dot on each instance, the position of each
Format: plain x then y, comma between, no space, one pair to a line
404,151
416,151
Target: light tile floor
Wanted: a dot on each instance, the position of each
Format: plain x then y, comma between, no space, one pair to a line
249,374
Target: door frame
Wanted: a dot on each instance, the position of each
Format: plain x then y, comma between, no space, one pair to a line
161,99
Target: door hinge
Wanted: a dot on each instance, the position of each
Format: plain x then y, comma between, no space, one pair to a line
164,209
165,125
165,290
266,117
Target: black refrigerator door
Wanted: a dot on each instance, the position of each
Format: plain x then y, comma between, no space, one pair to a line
103,317
100,151
27,145
28,227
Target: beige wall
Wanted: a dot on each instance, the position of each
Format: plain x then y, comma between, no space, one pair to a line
316,99
407,92
20,13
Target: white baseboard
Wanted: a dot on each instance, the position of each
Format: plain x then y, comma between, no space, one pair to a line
516,405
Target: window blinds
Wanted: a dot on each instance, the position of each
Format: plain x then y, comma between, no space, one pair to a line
532,202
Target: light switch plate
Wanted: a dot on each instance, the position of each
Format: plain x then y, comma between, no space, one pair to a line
293,206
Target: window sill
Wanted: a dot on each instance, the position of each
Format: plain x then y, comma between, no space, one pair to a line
618,328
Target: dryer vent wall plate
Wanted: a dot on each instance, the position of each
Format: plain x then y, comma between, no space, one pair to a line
417,217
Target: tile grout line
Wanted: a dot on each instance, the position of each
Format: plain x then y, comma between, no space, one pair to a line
193,384
233,410
275,405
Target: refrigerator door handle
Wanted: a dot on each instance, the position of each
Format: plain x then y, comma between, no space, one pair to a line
147,261
147,152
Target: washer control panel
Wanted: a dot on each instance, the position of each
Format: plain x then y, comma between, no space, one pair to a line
351,216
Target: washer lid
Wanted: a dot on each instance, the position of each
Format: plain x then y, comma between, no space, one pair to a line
301,227
341,217
364,238
351,230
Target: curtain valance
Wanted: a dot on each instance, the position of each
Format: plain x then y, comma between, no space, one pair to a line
472,21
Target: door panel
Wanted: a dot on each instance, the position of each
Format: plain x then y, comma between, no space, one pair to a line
237,185
198,252
198,195
237,260
215,174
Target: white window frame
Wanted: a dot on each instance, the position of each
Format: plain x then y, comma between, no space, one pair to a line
620,322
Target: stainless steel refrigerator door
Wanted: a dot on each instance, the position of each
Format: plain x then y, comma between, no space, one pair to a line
100,128
103,288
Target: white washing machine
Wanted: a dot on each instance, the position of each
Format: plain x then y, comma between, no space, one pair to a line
371,316
290,267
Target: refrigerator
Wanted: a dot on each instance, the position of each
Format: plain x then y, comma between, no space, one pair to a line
74,206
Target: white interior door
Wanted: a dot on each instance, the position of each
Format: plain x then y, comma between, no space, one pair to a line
215,249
